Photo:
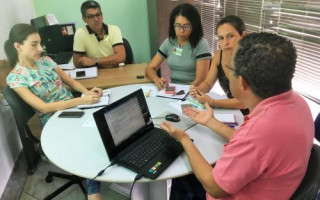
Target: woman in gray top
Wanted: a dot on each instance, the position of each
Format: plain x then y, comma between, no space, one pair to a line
187,52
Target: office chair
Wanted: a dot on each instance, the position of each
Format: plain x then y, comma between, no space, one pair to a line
23,113
129,53
317,127
310,185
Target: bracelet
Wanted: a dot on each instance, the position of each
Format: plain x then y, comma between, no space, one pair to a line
212,105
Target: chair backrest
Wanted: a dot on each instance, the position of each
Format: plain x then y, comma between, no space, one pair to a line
22,113
310,185
129,53
317,127
21,110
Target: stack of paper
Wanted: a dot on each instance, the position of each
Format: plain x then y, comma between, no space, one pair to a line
229,119
104,100
81,73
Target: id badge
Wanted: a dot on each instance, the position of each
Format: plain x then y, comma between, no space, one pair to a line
177,51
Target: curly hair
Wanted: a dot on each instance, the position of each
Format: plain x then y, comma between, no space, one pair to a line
267,62
190,12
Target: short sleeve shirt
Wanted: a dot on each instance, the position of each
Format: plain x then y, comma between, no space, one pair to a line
87,42
43,82
268,155
182,59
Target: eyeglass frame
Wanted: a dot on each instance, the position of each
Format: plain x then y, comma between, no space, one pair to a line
184,27
92,16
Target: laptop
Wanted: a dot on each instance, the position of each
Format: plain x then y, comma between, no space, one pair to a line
130,138
58,40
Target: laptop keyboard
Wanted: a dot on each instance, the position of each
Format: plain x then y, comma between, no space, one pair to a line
148,148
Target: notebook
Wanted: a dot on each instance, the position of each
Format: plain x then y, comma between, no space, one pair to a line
125,127
104,100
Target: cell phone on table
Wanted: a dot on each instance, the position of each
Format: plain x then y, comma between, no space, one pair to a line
71,114
170,90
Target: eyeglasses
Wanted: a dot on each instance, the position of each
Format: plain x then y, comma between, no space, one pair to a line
229,67
91,16
185,27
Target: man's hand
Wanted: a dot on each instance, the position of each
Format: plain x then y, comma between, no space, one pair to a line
86,62
174,132
201,117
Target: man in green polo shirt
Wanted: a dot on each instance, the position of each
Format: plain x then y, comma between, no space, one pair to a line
97,44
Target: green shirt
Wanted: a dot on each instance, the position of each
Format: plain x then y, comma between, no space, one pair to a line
182,59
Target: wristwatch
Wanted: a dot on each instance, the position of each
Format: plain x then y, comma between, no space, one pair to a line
96,60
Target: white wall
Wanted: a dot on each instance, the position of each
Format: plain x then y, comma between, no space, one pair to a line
11,12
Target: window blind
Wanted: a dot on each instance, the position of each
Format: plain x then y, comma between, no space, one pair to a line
300,22
210,11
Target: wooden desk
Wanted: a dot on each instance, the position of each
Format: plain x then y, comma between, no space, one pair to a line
112,77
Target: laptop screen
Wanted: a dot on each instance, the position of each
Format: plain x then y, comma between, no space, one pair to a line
123,122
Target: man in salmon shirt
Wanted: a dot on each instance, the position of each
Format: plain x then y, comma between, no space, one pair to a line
267,156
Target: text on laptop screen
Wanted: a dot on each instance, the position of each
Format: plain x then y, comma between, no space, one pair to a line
124,120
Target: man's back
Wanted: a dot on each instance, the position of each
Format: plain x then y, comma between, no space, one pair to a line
268,155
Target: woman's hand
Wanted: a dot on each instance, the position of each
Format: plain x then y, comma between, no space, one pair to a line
160,83
90,99
203,98
174,132
95,90
193,91
201,117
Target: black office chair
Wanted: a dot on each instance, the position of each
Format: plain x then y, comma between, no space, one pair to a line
129,53
310,185
23,113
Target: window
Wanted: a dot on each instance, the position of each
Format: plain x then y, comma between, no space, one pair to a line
298,20
210,11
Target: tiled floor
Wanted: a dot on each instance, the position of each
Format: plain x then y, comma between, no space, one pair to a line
33,187
36,187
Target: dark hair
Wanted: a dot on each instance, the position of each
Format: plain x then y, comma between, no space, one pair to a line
267,62
89,4
18,33
234,21
190,12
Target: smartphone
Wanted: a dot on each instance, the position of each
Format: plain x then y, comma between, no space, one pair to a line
71,114
80,73
170,90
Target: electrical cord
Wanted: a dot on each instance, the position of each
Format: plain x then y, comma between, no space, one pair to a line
190,126
100,173
138,176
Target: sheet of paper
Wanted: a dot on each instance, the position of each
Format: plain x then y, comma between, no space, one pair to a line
179,88
89,122
226,118
149,91
104,100
67,66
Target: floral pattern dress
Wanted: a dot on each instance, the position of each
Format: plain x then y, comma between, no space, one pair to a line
43,82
